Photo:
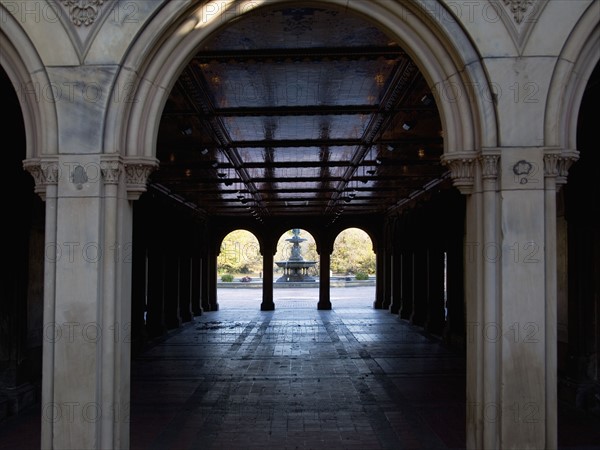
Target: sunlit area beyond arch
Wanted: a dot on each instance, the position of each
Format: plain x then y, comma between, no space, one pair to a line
239,266
353,265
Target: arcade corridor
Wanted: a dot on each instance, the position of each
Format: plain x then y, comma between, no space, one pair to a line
447,137
350,378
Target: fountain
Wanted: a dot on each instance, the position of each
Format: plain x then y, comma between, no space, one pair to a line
295,269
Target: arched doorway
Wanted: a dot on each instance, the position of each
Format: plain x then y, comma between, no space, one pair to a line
461,135
21,309
353,266
578,273
239,271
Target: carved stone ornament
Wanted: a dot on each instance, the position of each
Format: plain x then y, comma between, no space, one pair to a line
557,165
137,173
518,8
111,170
44,173
462,172
489,166
83,12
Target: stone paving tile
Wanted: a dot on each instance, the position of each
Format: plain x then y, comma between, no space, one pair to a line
297,378
292,378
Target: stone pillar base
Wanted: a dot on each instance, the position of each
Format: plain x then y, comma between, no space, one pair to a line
267,306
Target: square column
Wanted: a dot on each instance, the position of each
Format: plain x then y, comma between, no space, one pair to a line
510,256
87,297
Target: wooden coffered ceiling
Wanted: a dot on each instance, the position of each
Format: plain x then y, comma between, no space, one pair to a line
304,111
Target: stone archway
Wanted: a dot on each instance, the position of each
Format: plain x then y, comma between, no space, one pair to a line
440,48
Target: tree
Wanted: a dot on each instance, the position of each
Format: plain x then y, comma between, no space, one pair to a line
353,252
240,253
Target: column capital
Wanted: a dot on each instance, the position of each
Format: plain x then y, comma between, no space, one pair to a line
137,171
462,170
111,167
489,165
44,171
557,164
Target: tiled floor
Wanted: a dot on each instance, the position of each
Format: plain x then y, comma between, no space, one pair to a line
298,378
351,378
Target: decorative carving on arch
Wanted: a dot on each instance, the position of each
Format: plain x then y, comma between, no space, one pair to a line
518,8
82,19
519,18
137,171
83,12
462,171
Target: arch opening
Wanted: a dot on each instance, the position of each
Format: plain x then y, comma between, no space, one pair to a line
21,308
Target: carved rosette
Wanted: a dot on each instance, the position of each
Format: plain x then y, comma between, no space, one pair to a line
44,173
518,8
557,165
462,172
137,173
83,12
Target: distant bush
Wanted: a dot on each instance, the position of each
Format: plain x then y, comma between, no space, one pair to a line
362,276
227,278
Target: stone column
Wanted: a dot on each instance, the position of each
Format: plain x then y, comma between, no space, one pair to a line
379,276
420,270
455,292
211,280
435,292
463,170
492,254
394,283
138,284
511,296
204,283
396,269
185,287
46,173
196,293
172,314
87,297
407,284
267,250
155,320
325,250
388,261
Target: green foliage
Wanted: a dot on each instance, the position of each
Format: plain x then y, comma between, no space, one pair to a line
362,276
240,253
227,278
353,253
